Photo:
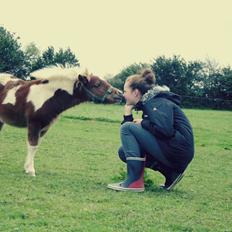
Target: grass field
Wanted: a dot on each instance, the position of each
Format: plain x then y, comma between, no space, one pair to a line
78,158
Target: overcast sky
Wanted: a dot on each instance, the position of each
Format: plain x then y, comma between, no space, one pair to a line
108,35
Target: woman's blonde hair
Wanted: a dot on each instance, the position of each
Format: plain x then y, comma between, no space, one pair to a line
143,81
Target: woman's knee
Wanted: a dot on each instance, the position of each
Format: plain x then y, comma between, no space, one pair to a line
121,154
125,127
128,127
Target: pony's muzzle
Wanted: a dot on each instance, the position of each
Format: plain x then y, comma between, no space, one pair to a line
119,97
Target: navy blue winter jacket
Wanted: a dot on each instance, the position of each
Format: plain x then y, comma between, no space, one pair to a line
163,117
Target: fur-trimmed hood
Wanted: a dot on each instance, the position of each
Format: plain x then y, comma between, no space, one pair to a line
159,91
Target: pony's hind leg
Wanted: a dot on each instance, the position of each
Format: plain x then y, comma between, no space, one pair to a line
33,142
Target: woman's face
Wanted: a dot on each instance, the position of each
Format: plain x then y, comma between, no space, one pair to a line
132,96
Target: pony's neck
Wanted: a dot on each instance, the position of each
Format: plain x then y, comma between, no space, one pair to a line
66,97
64,84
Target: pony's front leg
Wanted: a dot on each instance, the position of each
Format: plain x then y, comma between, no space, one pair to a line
33,142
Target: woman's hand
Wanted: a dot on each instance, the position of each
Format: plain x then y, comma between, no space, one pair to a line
138,121
128,109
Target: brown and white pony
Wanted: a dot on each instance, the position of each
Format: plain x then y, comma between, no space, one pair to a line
36,104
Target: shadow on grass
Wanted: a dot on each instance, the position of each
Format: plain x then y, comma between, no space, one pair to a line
83,118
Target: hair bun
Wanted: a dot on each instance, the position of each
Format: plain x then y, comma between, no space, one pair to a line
149,76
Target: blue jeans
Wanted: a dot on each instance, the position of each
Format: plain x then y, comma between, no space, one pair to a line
138,142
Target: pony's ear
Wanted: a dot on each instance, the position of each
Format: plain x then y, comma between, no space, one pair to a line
78,85
83,79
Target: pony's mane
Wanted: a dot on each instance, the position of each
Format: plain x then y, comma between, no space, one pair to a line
59,72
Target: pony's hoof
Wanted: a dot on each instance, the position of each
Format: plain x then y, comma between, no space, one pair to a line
30,173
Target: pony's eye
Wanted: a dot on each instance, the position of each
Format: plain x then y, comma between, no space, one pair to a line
97,84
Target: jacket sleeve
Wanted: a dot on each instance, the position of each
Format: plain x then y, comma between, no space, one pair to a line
159,119
127,118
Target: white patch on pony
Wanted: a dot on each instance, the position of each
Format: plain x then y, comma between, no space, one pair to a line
39,94
10,97
5,77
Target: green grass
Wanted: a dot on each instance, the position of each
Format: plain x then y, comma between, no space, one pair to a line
78,158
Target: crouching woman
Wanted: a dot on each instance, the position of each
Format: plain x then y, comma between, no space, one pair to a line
162,140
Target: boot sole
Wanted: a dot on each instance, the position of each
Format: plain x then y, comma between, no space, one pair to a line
119,188
178,179
175,182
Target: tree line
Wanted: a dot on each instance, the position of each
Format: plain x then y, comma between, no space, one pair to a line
200,83
21,62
